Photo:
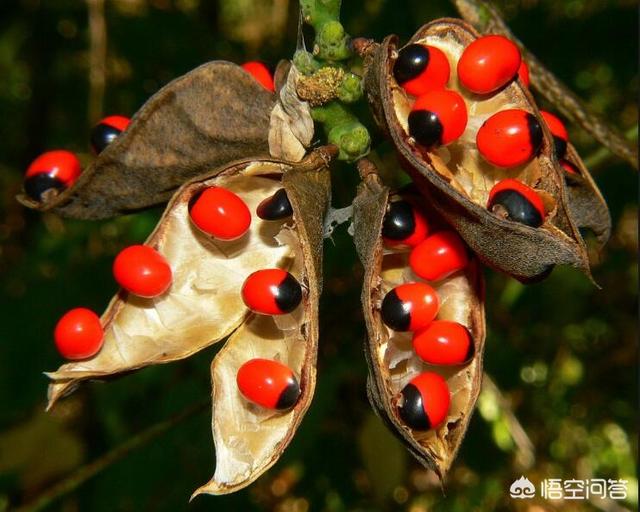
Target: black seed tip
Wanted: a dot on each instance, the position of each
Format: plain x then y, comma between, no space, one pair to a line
412,409
102,135
35,186
289,294
560,147
471,350
395,313
535,133
399,222
290,395
518,208
275,207
426,128
412,60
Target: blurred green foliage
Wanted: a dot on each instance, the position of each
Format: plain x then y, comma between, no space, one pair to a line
562,354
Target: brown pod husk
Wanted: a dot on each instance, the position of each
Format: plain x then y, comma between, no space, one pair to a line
204,304
389,354
588,208
248,439
456,180
209,117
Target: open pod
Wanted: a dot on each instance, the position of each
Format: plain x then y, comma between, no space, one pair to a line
250,439
391,358
457,180
588,208
204,305
207,118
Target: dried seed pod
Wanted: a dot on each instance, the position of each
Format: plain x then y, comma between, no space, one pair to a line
204,305
248,439
392,362
588,208
456,179
207,118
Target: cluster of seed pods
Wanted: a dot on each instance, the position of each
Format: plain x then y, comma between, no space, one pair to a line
237,253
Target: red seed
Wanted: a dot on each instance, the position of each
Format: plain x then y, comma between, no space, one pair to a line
425,402
523,74
509,138
142,270
261,73
439,256
437,118
79,334
444,342
488,63
268,383
220,213
271,291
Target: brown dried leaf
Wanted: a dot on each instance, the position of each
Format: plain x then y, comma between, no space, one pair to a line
203,304
588,208
391,360
249,439
209,117
456,180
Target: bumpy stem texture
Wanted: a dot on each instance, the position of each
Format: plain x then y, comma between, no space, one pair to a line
344,130
331,41
487,19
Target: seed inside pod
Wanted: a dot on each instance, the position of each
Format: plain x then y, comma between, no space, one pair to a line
53,171
409,307
275,207
559,132
569,167
404,225
143,271
271,292
509,138
425,402
517,202
523,74
488,63
79,334
439,256
437,118
445,343
268,383
220,213
261,73
421,68
106,131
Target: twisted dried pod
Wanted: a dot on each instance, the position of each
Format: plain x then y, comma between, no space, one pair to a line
391,360
209,117
204,305
456,180
588,208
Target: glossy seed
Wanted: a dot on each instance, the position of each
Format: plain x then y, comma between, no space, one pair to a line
275,207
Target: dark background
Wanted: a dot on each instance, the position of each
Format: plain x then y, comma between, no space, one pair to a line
562,353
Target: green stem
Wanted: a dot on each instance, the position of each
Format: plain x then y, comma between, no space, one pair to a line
331,41
343,129
84,473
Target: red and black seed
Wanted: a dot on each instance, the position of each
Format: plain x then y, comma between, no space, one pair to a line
275,207
412,410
